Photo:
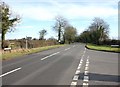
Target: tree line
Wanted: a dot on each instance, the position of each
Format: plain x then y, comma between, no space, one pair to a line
96,33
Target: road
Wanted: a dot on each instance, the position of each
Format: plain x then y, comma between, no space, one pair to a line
69,65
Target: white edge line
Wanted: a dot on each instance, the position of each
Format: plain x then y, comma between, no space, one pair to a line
10,72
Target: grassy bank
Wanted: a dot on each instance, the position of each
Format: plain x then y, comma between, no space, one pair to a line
103,48
6,56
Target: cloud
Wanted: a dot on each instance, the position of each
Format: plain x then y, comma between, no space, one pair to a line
70,10
90,11
26,27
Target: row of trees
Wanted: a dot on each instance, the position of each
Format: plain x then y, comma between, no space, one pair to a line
97,32
66,32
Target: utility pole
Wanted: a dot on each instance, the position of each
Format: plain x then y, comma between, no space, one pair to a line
26,43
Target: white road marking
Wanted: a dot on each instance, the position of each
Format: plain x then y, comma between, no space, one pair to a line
85,84
67,49
10,72
78,67
74,46
50,55
86,64
86,68
87,60
80,62
76,77
86,78
77,72
81,59
86,72
73,83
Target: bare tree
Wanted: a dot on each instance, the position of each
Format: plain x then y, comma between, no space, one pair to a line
60,24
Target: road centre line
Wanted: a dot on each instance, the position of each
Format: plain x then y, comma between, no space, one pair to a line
74,46
10,72
67,48
50,55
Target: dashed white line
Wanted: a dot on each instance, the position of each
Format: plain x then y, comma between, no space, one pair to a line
76,77
67,49
85,84
78,67
86,64
86,78
80,62
77,72
86,72
74,46
50,55
86,68
10,72
73,83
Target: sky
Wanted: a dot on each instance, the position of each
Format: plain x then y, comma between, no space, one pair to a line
40,14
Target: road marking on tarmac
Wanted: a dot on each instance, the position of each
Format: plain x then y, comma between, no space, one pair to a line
76,77
77,73
10,72
67,49
73,83
74,46
50,55
86,77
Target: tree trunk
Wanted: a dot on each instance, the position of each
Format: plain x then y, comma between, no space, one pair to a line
59,34
3,38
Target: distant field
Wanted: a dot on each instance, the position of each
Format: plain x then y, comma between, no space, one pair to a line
103,48
28,51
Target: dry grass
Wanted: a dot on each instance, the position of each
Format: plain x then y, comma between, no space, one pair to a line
14,54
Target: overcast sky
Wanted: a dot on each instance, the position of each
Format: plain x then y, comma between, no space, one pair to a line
40,14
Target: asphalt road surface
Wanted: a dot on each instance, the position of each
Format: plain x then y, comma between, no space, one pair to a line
69,65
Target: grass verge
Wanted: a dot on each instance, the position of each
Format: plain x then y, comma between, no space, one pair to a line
11,55
103,48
